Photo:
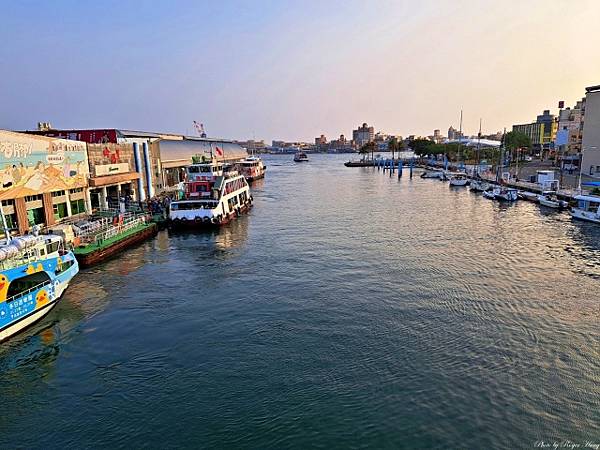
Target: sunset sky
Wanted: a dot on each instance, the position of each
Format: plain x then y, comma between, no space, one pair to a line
293,70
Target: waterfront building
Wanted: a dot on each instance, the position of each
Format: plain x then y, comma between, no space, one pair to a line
591,132
44,180
363,135
140,164
437,137
542,132
321,140
253,146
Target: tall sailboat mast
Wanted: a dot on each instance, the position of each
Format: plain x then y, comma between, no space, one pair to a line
460,134
478,148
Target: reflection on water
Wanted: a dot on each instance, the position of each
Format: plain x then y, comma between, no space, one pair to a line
348,309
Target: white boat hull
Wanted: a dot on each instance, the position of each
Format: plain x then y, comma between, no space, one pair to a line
454,182
589,216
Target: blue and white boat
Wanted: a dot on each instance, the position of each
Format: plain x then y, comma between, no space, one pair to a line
35,270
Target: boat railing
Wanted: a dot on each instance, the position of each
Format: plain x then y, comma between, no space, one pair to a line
28,291
118,229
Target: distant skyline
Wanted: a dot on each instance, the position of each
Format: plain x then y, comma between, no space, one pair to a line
293,70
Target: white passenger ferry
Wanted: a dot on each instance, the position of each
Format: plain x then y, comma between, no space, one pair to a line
213,196
252,168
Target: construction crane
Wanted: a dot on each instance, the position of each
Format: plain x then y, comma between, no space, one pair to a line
200,129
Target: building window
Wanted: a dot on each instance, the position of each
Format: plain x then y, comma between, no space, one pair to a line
60,211
58,193
33,198
78,206
11,220
8,202
36,216
74,191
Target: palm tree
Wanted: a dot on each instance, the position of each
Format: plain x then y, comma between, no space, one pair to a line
393,146
364,150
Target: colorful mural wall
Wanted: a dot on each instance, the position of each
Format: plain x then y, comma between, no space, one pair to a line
30,165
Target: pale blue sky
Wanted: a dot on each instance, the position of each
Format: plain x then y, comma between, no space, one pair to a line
292,70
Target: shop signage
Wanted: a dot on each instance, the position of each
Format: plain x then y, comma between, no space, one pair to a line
110,169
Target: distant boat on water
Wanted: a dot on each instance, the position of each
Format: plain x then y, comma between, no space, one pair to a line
300,157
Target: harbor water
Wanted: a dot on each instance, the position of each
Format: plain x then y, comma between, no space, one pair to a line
349,309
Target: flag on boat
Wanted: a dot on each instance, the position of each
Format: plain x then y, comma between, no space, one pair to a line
219,151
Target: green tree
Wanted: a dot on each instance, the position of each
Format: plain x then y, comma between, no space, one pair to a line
421,147
514,140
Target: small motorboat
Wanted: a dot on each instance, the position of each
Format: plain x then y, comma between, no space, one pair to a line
489,193
478,185
433,173
505,194
550,199
458,179
529,196
300,157
587,208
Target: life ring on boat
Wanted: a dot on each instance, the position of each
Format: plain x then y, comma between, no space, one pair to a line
184,219
176,220
198,219
215,220
219,218
207,220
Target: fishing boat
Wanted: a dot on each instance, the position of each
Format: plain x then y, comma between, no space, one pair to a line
478,185
587,208
550,199
458,179
300,157
505,194
252,168
213,196
35,270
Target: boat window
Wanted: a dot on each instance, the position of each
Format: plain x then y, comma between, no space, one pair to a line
64,266
52,247
23,284
193,169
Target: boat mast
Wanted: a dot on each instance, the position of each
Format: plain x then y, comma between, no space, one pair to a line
460,134
501,162
478,149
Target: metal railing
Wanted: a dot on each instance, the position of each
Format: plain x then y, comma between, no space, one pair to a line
115,230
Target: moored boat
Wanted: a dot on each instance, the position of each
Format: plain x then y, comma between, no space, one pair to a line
550,199
212,197
98,239
251,167
300,157
35,270
490,193
505,194
529,196
587,208
458,179
478,185
433,173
